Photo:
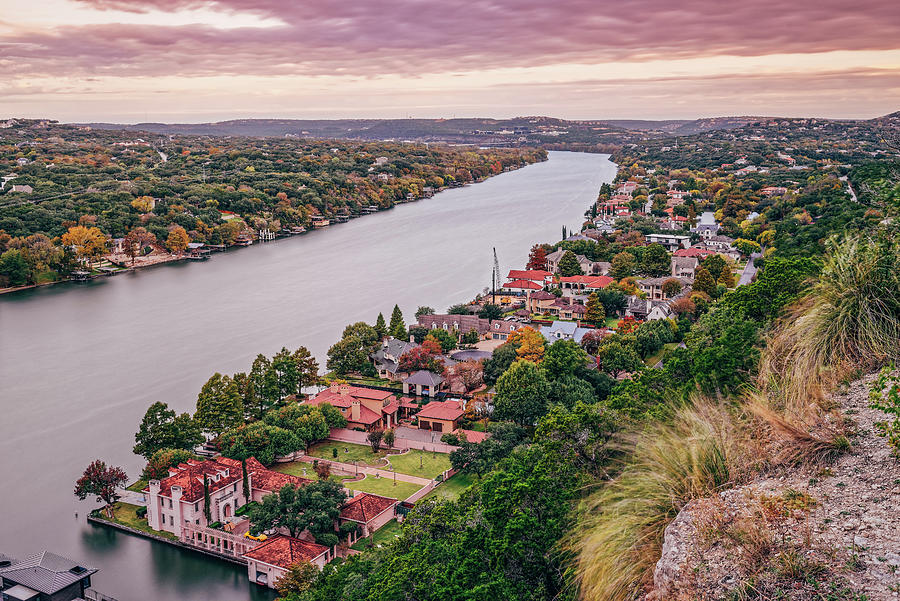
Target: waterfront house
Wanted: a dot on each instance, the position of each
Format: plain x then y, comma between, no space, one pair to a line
44,577
370,512
387,358
270,560
459,324
423,383
364,408
520,287
441,416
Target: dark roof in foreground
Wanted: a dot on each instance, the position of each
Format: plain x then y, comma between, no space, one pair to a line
46,572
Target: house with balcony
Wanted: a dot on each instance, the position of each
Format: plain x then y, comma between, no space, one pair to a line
671,242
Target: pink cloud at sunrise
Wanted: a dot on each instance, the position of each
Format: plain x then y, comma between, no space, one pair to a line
209,59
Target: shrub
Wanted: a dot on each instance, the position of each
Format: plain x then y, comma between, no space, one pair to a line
141,512
618,543
885,396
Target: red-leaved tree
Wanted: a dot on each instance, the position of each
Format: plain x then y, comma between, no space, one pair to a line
102,481
537,258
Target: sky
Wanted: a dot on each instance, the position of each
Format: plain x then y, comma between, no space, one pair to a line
132,61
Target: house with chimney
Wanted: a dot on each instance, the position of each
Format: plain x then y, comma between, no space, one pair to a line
387,358
364,408
269,561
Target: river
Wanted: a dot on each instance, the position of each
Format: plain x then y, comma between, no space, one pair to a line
81,362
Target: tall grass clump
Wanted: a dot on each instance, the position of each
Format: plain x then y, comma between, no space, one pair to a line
849,320
701,451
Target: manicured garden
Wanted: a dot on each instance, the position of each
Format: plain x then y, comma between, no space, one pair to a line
138,486
385,486
420,463
347,453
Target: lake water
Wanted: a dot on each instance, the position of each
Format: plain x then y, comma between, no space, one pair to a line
80,363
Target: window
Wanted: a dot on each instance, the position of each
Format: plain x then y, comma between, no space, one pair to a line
197,506
171,520
170,503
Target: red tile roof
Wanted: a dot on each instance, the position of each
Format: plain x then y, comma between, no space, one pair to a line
366,416
391,407
528,274
273,481
285,551
524,284
473,435
365,507
693,252
189,476
591,281
448,410
336,399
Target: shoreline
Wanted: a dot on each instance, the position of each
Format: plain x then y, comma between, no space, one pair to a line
182,259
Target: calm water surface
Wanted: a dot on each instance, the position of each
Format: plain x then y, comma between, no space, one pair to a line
80,363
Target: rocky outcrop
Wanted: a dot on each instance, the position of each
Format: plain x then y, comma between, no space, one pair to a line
813,533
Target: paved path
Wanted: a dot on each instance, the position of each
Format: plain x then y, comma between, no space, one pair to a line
370,471
750,270
133,498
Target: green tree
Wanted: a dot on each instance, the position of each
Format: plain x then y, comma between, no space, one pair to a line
655,261
424,311
158,466
613,300
499,362
260,440
563,357
398,327
351,352
445,339
315,507
418,333
162,428
14,268
521,394
567,390
286,373
714,264
381,327
389,437
219,405
615,357
263,383
375,437
459,309
568,265
704,282
594,311
490,311
747,247
298,578
307,368
623,265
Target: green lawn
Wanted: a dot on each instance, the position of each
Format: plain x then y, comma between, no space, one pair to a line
385,534
452,488
611,322
432,464
384,487
347,452
377,486
660,354
138,486
124,513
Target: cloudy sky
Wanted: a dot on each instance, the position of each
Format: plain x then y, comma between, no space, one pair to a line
201,60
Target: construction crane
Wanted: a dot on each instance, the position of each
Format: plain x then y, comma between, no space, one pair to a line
495,278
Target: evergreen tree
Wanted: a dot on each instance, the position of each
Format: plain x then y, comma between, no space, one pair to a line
398,328
381,327
569,265
655,261
207,510
595,313
219,405
246,479
726,278
704,282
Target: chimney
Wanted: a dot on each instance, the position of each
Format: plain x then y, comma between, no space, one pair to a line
344,390
334,387
412,339
354,411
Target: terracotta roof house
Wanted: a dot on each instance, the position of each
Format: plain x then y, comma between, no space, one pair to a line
422,383
44,577
366,408
694,251
441,416
538,276
473,436
520,287
176,501
270,561
578,285
370,511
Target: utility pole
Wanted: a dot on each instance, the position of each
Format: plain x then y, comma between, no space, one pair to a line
495,278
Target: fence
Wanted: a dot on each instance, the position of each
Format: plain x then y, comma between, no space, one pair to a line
356,437
216,541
